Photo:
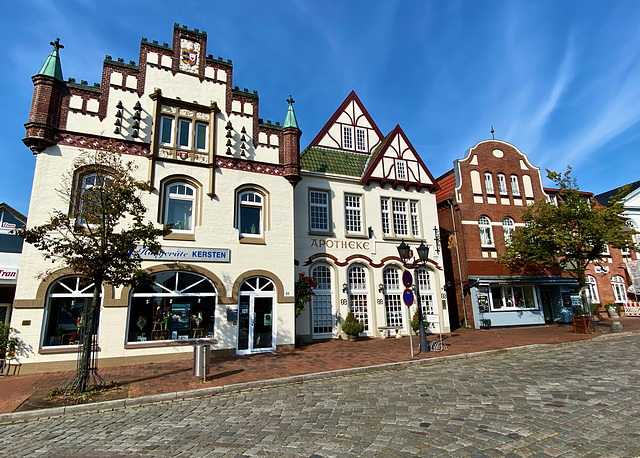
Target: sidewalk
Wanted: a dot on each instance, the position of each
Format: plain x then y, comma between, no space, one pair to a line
27,392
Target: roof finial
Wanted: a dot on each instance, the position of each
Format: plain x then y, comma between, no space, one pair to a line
290,120
56,44
492,131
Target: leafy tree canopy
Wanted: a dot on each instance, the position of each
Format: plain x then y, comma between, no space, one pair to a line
567,236
98,235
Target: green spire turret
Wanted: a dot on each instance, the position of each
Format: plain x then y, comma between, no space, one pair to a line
52,66
290,120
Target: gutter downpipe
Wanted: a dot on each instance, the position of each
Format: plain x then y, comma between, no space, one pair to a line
455,236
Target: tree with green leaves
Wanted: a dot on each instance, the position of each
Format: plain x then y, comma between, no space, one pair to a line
97,236
568,236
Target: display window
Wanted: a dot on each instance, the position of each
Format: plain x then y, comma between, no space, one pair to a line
505,298
176,306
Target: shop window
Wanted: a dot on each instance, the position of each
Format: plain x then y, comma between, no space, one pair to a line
513,298
180,199
176,306
67,301
319,211
392,296
359,294
619,289
486,234
592,290
321,301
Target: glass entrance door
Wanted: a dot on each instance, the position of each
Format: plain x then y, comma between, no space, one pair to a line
256,316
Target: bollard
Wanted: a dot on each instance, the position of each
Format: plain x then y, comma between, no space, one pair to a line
201,360
616,326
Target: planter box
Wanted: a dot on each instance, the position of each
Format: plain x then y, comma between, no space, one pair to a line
581,324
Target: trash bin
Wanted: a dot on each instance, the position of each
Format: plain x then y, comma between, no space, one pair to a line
201,360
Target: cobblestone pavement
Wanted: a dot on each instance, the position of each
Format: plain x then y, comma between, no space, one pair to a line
578,399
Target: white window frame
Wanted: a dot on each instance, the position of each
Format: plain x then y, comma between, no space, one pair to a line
508,226
257,202
515,187
619,289
393,305
502,184
163,121
361,139
353,213
322,324
592,289
486,232
319,211
182,123
400,217
488,183
386,219
401,169
177,196
508,293
358,292
425,287
347,137
197,127
415,217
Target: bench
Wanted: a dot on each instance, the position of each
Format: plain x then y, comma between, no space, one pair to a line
385,331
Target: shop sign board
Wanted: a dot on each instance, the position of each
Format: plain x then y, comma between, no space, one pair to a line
172,253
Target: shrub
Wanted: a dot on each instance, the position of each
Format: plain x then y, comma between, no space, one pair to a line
351,326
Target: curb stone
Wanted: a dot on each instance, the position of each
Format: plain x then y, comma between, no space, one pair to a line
104,406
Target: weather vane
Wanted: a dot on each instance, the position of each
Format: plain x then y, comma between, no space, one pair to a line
492,131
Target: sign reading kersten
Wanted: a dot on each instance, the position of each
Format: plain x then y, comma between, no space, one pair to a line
174,253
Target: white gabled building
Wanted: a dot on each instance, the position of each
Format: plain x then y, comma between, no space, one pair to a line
220,175
361,194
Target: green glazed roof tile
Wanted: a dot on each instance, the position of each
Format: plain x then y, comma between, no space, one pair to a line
315,159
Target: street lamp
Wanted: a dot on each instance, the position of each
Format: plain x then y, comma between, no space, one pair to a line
404,251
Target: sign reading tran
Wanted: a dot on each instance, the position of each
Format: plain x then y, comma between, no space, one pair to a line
173,253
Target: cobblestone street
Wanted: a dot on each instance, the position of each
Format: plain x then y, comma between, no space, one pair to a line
579,399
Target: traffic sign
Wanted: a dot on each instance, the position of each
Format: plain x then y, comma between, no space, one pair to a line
407,279
408,297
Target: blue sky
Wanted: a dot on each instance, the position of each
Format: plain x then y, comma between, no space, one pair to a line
558,79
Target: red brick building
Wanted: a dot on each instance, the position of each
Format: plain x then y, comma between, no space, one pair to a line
479,205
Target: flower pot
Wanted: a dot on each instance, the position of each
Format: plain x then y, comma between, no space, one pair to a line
352,338
581,324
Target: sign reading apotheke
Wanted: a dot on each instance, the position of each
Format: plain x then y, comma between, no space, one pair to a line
174,253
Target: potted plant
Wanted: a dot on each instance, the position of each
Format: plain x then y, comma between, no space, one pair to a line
415,323
8,345
485,323
352,327
613,310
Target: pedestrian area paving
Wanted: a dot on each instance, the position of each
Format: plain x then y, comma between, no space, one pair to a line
579,399
146,382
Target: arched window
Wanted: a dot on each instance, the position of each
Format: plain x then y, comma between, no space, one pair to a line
486,235
515,187
321,301
592,290
176,306
359,294
619,289
250,214
508,226
66,302
392,296
180,198
488,183
425,286
502,184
